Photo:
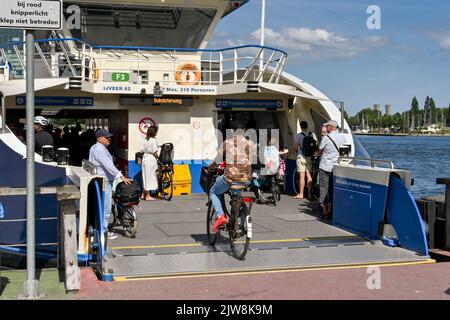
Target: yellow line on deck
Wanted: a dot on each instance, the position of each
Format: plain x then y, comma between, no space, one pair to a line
268,271
253,241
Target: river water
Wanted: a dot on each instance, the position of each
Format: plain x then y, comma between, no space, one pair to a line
427,157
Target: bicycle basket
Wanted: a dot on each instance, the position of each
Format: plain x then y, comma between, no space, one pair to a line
128,193
166,154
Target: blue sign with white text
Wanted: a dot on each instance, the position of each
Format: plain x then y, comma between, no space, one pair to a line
241,103
57,101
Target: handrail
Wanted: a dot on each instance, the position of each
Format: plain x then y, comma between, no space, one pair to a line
145,48
90,62
372,161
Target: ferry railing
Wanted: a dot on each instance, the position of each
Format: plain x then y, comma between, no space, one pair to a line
373,162
71,57
67,197
54,58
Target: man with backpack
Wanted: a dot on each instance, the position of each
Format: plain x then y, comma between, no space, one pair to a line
305,146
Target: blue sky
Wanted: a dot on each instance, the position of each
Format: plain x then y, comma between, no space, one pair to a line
330,46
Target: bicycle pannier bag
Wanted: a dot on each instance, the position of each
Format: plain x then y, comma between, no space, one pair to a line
138,157
166,154
128,193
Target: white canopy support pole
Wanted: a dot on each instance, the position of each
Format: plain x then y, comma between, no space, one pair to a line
263,27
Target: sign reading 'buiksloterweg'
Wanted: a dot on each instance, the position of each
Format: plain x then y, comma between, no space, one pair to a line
31,14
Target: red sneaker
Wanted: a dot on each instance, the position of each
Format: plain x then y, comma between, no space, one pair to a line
221,221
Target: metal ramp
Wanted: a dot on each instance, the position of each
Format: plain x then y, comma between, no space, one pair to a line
172,243
198,259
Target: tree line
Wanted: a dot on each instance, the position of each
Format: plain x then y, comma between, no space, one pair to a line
414,119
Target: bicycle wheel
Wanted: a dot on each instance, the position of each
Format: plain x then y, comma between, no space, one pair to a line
130,223
210,220
239,230
166,186
275,190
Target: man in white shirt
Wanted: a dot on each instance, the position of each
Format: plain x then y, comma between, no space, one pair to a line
304,154
329,154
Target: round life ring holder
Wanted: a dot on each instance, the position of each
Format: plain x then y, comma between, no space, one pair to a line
188,67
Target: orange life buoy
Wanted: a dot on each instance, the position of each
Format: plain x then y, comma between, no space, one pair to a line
188,74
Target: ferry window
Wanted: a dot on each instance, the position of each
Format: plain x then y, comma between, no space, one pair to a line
174,27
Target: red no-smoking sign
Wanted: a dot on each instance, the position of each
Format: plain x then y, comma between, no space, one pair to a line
146,123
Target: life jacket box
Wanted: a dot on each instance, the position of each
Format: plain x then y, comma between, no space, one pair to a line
182,180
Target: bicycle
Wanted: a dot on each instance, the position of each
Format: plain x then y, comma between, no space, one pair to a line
165,180
275,188
270,183
239,226
123,212
165,171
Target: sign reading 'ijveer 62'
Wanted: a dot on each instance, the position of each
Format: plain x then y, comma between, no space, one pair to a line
31,14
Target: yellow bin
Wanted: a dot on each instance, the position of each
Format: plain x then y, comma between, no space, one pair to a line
182,180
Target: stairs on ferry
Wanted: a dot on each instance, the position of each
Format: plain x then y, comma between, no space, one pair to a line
75,83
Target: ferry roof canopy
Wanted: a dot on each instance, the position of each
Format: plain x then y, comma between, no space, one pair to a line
234,5
155,23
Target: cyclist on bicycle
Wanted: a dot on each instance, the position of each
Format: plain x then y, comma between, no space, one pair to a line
239,155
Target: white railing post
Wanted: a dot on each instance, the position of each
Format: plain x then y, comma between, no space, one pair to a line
266,65
283,59
210,68
221,68
100,73
235,66
91,65
139,68
83,62
21,60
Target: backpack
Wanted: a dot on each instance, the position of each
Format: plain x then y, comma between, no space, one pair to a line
166,154
309,145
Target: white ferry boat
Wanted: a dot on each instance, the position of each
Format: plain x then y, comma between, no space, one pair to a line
126,64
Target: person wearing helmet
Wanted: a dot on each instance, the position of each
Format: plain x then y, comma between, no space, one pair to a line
42,137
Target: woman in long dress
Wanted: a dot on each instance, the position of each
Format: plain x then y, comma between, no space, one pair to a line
150,165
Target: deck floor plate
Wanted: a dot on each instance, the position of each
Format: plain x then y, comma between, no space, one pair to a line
222,246
256,260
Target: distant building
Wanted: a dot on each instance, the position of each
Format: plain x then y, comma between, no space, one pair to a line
9,36
388,109
376,107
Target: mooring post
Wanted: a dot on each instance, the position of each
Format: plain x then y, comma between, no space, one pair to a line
446,181
67,197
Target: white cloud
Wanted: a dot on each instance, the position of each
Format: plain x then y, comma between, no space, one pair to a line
319,44
309,45
443,38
